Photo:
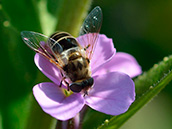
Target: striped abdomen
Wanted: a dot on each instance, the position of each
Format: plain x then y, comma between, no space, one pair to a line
77,67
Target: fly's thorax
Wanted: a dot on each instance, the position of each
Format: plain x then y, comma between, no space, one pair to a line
65,40
72,56
69,53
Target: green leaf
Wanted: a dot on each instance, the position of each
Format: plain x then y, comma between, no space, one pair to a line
153,76
147,85
0,120
15,114
93,119
17,63
18,71
22,14
17,67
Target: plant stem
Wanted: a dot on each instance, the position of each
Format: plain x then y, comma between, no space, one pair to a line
68,124
72,14
74,123
82,114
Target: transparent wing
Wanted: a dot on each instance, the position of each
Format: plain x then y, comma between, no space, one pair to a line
90,30
43,45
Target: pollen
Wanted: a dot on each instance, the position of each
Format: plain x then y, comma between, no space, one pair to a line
66,92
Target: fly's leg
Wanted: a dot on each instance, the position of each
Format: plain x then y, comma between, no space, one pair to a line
87,51
85,93
67,84
86,47
63,79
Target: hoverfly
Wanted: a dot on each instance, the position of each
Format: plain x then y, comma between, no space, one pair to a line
66,53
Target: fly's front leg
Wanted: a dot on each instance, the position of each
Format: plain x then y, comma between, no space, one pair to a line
85,93
67,84
63,79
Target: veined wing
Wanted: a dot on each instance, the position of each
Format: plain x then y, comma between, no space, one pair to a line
90,30
43,45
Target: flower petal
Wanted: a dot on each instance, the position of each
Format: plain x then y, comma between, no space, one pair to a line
112,93
53,101
103,51
121,62
50,70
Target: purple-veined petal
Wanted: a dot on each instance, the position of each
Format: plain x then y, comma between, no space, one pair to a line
47,68
112,93
104,50
121,62
53,101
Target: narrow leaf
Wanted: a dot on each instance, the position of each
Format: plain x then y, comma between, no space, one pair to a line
148,85
18,71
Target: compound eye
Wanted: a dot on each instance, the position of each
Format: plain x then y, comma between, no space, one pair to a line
85,82
90,81
75,87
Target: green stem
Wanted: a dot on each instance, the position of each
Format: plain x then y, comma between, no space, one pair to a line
74,123
82,115
68,124
37,118
71,15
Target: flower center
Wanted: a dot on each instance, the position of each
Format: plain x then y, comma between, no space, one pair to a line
66,92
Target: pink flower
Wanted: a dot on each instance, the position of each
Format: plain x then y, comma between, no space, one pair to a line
112,93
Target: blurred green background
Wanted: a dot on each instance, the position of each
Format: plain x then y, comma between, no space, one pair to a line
141,28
